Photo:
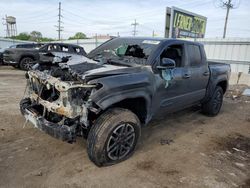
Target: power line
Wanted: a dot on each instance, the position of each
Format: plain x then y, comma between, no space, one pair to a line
42,14
135,24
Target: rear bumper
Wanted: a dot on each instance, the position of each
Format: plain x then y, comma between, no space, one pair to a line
62,132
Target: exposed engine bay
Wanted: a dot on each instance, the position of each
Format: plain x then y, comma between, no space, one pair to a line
58,93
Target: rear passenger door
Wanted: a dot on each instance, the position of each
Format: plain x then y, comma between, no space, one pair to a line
174,94
199,71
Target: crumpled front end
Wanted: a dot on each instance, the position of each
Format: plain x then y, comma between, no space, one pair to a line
59,108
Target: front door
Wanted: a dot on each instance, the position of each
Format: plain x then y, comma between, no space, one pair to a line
172,94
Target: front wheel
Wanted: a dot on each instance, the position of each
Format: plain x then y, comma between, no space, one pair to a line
213,106
26,63
113,137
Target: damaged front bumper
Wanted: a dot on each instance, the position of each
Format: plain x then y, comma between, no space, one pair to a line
62,132
54,106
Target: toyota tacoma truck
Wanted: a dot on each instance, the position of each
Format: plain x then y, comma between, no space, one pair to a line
121,86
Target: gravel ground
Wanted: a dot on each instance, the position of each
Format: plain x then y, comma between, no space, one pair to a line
185,149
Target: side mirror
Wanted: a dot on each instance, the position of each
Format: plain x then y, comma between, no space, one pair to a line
166,63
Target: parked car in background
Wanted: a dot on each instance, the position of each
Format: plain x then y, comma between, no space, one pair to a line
25,45
1,56
123,84
25,58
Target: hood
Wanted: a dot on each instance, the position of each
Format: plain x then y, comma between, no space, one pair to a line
91,69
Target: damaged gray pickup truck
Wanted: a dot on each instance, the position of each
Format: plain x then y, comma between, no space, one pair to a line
122,85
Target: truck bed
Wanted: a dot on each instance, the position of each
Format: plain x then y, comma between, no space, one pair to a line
217,68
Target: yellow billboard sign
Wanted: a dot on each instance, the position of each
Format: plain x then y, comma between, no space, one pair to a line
184,24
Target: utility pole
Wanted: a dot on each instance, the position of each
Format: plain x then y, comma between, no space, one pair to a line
59,26
228,6
153,33
96,41
134,32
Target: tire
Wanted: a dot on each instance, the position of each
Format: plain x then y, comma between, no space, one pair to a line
26,63
213,106
117,130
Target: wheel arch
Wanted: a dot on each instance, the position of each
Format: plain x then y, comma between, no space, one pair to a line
25,56
223,84
138,103
138,106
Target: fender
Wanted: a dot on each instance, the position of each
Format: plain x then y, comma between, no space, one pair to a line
214,80
31,55
124,86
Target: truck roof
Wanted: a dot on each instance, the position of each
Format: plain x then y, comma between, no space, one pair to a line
66,44
160,39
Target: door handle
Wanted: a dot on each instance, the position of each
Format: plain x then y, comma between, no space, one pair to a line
186,76
206,73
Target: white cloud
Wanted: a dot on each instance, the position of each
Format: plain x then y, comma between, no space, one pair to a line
112,16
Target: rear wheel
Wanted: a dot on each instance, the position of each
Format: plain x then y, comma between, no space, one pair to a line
213,106
26,63
113,137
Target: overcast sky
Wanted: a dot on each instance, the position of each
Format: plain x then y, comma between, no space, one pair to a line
112,16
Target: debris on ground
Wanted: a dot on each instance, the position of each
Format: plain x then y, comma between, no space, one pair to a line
236,143
195,159
238,93
166,141
233,155
246,92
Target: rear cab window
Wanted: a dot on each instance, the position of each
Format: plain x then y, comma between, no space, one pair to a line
194,53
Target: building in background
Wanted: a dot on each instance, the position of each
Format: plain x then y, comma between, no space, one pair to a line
102,37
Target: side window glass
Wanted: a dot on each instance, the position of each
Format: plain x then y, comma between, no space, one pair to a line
76,50
49,47
194,54
64,48
52,47
174,52
20,46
